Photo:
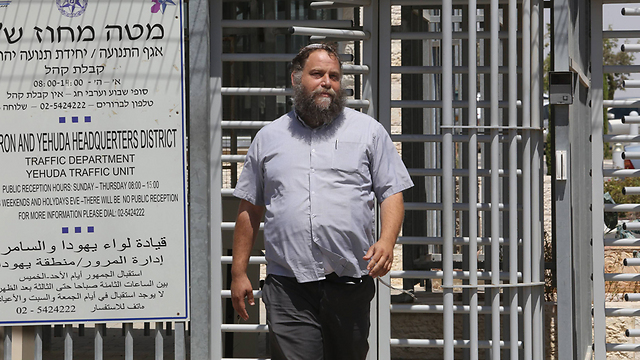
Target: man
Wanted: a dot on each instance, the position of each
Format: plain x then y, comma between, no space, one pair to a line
315,174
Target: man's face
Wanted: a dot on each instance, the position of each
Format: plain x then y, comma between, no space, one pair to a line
321,76
318,98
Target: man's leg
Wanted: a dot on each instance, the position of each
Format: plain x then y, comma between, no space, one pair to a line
344,315
292,316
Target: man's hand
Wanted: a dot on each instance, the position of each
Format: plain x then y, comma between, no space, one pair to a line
380,257
380,254
241,289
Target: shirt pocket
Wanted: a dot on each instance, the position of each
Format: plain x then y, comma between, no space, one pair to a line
348,156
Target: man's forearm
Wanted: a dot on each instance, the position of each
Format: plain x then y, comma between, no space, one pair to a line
244,236
391,216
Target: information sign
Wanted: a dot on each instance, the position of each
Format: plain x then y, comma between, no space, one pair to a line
93,177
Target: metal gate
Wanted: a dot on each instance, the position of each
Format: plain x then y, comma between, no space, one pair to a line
603,343
468,123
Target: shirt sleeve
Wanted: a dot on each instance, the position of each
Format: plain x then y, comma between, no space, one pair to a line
250,184
389,175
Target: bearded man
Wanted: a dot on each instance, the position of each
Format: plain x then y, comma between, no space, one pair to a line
315,174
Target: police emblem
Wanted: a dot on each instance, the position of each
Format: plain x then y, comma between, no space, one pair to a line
72,8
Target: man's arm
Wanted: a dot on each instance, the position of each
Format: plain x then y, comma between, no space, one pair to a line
244,236
380,254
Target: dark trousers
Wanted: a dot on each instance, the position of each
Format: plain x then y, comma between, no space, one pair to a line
320,320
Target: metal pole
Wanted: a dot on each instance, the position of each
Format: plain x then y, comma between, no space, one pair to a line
447,177
204,333
599,320
513,176
473,180
8,340
526,177
537,266
495,180
68,342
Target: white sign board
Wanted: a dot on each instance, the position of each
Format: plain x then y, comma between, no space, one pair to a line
92,149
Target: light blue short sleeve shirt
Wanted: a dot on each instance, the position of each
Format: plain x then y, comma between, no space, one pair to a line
319,188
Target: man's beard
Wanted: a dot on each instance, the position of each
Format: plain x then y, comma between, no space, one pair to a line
314,114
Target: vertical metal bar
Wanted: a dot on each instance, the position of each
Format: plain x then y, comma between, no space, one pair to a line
8,340
180,346
513,176
495,181
215,181
98,341
599,324
128,341
526,177
537,245
159,342
473,180
203,341
384,113
370,91
67,333
37,350
447,177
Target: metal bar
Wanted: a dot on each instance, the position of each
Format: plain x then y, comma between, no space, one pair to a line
621,312
457,206
343,3
621,277
631,262
455,138
67,333
622,208
457,274
632,333
244,328
250,24
458,35
472,53
621,172
438,69
620,103
631,297
623,347
226,294
458,344
537,266
630,11
629,84
425,240
239,124
628,119
439,2
337,33
622,242
631,190
494,44
128,341
248,91
253,260
98,341
180,343
37,350
608,69
436,309
447,180
8,342
264,57
526,182
513,178
205,106
439,104
616,34
158,342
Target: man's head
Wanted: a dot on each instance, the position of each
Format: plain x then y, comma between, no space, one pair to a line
316,77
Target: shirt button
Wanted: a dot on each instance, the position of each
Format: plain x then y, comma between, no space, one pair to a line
313,150
313,193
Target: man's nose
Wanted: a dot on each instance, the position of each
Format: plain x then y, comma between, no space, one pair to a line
326,82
